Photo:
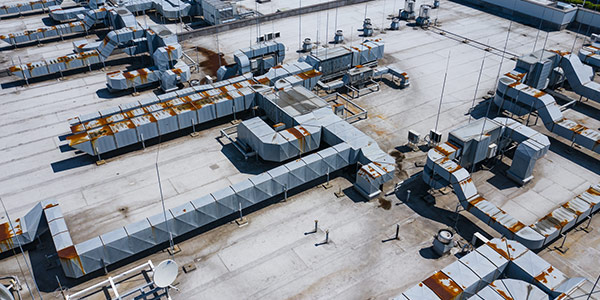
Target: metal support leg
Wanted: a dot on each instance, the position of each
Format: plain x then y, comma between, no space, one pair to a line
562,247
327,184
587,228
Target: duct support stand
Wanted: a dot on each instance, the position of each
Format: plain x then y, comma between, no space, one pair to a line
236,122
587,228
241,222
339,193
172,251
100,162
327,185
562,249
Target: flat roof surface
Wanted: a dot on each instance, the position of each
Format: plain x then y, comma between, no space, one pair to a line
271,257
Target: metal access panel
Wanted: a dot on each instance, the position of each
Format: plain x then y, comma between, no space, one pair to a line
125,133
166,120
116,245
186,115
146,126
206,112
224,107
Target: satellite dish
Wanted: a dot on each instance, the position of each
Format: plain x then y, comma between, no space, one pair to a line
165,273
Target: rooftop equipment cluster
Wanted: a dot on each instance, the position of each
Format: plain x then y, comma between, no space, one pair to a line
484,139
499,269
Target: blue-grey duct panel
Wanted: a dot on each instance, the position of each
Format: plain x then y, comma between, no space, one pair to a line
481,266
141,234
146,126
125,133
209,210
245,192
184,219
280,177
229,199
159,227
90,257
166,120
297,173
265,186
314,166
116,246
206,113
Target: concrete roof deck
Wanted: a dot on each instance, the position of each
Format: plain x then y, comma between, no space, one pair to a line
271,257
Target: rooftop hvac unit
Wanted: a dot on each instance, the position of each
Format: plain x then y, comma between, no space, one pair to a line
435,137
413,137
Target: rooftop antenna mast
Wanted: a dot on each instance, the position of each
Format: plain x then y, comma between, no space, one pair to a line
327,34
477,85
318,25
437,119
383,18
505,45
363,35
578,29
162,200
300,26
257,21
538,31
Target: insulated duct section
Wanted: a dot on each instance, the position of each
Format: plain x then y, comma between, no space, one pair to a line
279,146
165,51
258,58
580,77
442,169
23,230
21,7
499,269
521,99
590,55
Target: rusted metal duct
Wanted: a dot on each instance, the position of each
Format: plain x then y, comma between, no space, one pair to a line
499,269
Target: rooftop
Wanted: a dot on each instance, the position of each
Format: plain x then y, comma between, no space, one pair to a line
272,257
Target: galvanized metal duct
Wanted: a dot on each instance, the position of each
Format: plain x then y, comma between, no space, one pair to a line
441,170
580,77
281,145
118,127
521,99
336,61
259,57
477,276
590,55
22,231
21,7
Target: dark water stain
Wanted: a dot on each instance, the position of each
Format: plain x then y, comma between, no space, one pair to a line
385,204
399,157
211,63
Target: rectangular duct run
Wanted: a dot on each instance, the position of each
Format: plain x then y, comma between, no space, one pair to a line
121,243
477,276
